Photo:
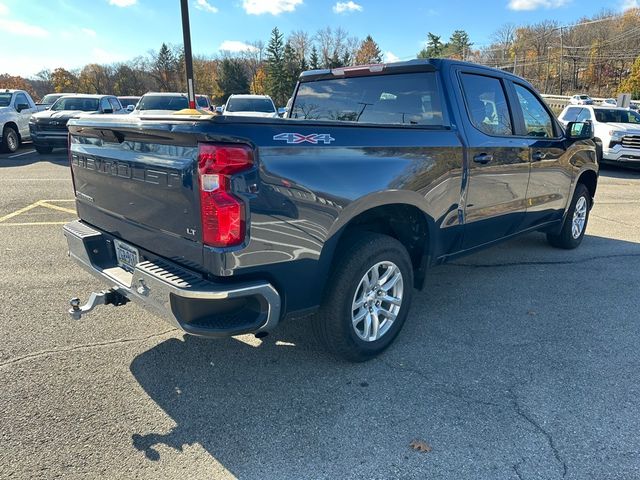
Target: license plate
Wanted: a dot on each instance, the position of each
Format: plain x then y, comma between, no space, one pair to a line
126,255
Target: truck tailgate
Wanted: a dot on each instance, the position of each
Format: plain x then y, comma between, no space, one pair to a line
139,187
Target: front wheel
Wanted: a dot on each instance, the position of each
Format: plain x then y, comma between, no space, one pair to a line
10,140
367,299
575,223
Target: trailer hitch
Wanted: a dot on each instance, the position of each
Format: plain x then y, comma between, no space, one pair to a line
105,297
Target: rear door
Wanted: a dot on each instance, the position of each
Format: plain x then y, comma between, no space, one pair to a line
551,171
498,160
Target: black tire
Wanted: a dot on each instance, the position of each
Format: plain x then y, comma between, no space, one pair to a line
333,323
566,238
10,140
43,150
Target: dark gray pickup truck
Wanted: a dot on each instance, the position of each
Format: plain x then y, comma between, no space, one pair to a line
230,225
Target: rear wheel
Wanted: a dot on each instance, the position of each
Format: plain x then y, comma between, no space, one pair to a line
43,150
10,140
575,222
367,300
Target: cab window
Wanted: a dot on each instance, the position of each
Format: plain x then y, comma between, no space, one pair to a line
537,121
487,104
584,116
104,104
571,114
21,99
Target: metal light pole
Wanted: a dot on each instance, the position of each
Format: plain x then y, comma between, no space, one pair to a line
188,60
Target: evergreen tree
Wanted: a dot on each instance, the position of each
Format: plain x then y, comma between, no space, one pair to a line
292,72
232,78
165,68
277,81
434,48
459,45
314,59
369,52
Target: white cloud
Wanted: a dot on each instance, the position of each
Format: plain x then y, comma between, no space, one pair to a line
625,5
350,6
535,4
390,57
205,6
274,7
123,3
236,46
16,27
88,32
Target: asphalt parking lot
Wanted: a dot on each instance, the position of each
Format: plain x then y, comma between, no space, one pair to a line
520,362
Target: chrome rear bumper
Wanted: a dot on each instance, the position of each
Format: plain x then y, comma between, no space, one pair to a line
182,297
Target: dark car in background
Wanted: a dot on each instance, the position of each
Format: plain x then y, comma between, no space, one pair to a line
49,128
50,98
154,103
129,103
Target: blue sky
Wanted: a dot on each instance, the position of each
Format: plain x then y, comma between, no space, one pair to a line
37,34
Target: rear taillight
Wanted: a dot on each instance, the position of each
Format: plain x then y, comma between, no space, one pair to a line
222,213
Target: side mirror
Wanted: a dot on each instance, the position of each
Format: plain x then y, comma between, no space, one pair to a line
282,111
22,106
579,130
130,108
107,110
219,109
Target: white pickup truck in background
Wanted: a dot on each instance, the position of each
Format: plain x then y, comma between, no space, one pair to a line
16,108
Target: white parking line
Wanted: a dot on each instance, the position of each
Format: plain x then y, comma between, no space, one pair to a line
21,154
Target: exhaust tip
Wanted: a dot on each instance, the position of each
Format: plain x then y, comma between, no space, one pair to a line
261,334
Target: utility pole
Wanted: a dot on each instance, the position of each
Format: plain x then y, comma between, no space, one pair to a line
188,60
561,58
546,80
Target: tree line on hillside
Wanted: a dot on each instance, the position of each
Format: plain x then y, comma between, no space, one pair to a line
599,55
271,68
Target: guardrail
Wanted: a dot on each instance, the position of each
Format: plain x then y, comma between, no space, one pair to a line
561,101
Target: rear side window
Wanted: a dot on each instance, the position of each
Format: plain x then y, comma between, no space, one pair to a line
487,104
537,120
571,115
396,99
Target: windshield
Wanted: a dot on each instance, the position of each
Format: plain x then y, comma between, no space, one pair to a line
126,101
49,99
76,103
264,105
5,99
163,102
616,116
202,102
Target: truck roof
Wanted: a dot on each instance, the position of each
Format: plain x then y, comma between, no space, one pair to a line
415,65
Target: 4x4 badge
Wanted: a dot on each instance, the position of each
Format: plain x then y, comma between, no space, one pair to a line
313,138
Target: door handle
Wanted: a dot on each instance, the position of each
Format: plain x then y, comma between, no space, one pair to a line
536,157
483,158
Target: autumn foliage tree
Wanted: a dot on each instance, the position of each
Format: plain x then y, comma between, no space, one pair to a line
369,52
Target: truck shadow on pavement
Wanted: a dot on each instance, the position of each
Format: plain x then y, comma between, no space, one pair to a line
507,368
